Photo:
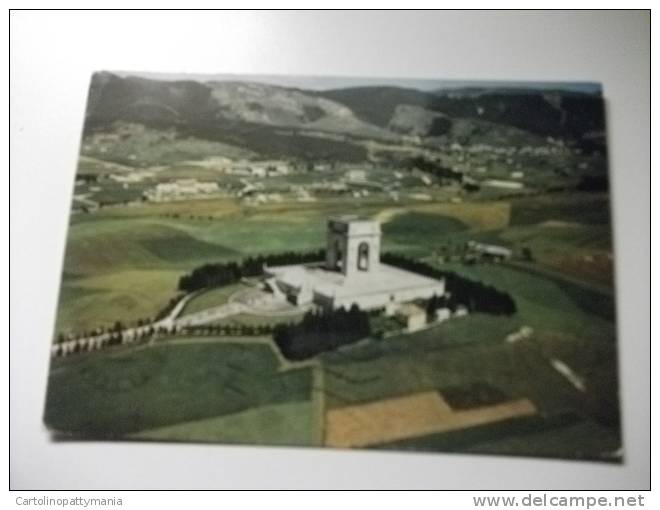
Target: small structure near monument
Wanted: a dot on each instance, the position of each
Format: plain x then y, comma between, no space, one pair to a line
411,316
490,251
442,314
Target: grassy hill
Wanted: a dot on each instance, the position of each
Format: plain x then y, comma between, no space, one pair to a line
113,394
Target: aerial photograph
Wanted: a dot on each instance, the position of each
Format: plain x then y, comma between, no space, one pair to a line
388,264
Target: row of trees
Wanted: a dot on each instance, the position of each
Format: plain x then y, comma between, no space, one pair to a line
225,273
476,296
117,327
321,331
114,337
230,330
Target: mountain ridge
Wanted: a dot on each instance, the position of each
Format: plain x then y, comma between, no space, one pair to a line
388,113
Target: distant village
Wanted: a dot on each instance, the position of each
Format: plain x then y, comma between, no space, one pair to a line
463,169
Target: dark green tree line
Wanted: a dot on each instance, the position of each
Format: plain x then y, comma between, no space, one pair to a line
225,273
321,331
476,296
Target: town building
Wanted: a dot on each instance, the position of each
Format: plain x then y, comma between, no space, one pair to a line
356,175
497,183
490,251
180,190
135,176
259,169
352,272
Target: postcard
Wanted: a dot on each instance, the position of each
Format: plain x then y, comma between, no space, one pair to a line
331,262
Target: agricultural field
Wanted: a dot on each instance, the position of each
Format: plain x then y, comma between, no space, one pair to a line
109,250
572,322
102,299
457,354
412,416
289,424
128,391
474,349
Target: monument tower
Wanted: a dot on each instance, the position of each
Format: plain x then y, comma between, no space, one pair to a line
353,245
352,273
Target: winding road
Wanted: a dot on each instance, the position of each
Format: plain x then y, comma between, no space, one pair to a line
172,321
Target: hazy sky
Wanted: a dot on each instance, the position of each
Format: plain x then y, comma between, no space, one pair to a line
336,82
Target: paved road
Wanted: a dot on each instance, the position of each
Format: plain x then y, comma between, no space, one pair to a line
171,321
128,334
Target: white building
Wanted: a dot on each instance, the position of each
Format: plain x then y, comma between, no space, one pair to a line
490,250
180,190
258,171
136,176
496,183
352,272
277,168
241,169
322,167
442,314
356,175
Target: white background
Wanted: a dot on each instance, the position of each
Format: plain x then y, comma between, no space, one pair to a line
52,57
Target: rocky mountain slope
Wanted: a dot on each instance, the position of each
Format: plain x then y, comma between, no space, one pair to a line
282,121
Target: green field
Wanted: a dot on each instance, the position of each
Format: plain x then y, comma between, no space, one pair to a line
290,424
101,300
127,268
115,393
572,323
435,359
589,208
416,230
408,363
109,251
124,264
439,358
546,303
